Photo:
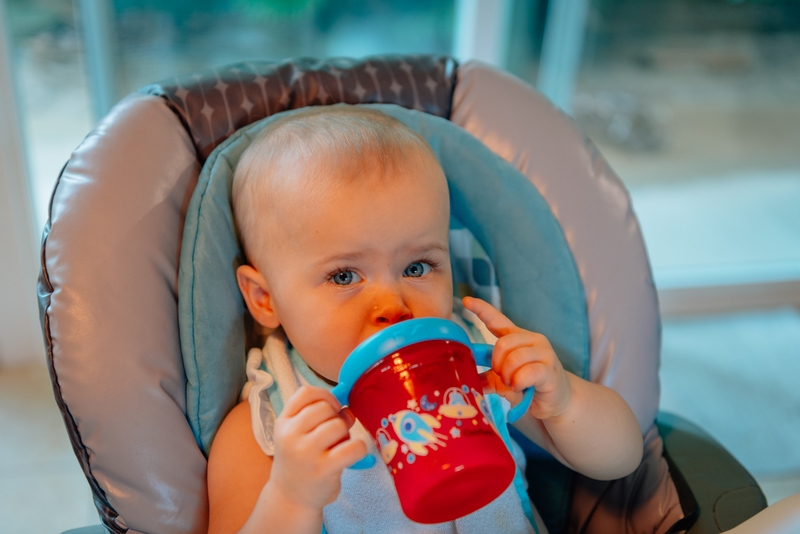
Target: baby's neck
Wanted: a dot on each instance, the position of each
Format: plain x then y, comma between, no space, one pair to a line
327,381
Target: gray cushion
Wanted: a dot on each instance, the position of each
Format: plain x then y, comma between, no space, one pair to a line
107,296
594,210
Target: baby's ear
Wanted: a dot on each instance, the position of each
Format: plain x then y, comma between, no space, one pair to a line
256,294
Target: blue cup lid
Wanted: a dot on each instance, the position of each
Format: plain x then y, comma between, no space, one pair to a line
389,340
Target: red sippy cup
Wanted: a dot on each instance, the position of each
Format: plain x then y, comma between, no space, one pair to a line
415,388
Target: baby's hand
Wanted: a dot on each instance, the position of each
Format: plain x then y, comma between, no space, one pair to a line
522,359
312,448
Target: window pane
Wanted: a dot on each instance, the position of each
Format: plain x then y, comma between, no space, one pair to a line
74,60
47,60
696,105
160,39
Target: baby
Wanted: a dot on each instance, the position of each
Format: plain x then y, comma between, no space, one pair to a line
343,213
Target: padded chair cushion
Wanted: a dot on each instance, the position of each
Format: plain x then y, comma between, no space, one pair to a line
594,210
539,284
107,296
216,102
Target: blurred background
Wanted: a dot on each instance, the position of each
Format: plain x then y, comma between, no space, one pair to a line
695,103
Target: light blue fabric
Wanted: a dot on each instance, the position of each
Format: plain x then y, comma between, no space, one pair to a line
496,408
539,283
305,371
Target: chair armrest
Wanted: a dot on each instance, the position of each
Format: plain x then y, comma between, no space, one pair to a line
716,491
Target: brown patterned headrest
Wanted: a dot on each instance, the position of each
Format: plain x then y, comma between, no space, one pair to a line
213,104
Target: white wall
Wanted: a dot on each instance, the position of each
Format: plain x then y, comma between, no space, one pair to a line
20,336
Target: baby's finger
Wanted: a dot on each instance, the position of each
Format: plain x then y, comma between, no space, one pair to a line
491,382
497,323
531,374
518,340
329,433
347,453
519,358
313,415
307,395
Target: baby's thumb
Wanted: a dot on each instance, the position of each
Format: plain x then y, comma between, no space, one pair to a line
491,382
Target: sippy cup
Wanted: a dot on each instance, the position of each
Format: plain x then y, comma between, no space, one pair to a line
415,388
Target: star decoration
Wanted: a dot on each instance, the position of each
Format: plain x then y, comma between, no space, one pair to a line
284,99
181,93
221,86
322,94
207,110
431,85
360,92
396,87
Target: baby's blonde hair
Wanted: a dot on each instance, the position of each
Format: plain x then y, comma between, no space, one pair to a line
347,138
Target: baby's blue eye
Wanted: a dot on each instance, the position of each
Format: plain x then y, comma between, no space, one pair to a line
345,278
417,269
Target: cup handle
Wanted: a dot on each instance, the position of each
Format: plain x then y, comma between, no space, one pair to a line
483,357
367,461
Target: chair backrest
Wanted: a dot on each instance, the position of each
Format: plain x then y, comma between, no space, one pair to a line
594,210
108,289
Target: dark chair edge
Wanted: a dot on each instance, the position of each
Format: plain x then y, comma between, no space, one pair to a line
706,475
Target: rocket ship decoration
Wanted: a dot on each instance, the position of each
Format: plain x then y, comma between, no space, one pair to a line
416,430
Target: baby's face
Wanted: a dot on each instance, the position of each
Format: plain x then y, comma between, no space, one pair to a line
357,257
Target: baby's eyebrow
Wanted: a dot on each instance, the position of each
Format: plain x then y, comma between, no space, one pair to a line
361,254
430,248
346,256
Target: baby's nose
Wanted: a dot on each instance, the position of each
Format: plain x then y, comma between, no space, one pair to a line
389,310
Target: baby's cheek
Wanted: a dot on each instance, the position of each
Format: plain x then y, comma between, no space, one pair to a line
445,306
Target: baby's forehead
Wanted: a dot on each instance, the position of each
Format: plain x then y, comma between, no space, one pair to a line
340,167
299,161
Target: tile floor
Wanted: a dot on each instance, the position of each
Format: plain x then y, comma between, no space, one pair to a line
42,488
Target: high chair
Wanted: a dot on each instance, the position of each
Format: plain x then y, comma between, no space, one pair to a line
108,293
